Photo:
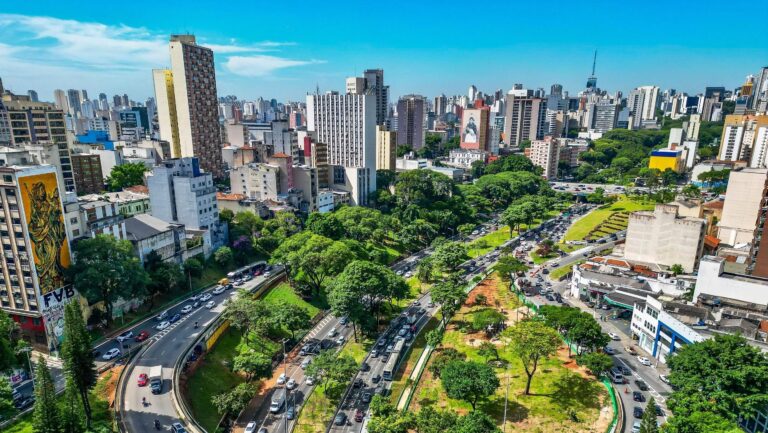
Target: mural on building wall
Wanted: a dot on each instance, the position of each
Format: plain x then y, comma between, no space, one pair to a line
45,221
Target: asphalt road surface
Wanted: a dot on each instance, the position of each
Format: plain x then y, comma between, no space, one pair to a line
164,349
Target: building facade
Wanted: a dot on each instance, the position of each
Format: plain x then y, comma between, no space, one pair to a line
545,154
86,169
410,121
386,148
180,192
743,201
524,118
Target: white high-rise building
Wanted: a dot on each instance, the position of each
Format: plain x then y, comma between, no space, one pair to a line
642,104
347,125
180,192
472,93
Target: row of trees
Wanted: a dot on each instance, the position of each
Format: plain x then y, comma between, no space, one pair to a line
387,419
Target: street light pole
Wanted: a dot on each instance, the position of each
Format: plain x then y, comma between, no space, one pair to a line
285,390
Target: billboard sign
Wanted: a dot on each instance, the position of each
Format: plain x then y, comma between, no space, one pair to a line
474,128
52,304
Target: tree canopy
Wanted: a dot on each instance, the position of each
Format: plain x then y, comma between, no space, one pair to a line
127,174
532,341
469,381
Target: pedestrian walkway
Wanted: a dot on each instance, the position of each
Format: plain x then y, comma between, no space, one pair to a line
405,397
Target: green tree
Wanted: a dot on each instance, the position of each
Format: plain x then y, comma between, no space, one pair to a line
223,256
252,316
595,362
648,423
425,269
329,369
450,255
477,168
476,422
676,269
72,415
449,296
326,224
429,420
105,270
6,399
254,364
486,318
77,356
469,381
508,265
193,267
232,402
312,259
700,422
7,329
724,375
292,317
488,350
532,341
443,358
586,333
513,216
124,175
46,417
691,191
434,337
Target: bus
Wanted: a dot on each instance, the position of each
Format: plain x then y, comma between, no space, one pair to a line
249,269
391,365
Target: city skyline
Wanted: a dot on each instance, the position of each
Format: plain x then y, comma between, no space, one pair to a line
278,55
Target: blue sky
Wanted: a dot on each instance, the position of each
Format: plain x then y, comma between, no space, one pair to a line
284,49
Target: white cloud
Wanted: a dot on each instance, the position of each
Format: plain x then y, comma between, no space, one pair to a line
262,65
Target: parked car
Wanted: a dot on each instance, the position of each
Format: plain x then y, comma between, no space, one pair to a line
635,427
309,380
111,354
186,309
124,336
631,350
162,325
305,363
251,427
614,337
664,378
643,360
637,412
281,379
143,379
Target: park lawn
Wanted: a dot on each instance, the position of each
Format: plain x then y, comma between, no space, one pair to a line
406,367
581,228
285,293
560,272
558,389
537,259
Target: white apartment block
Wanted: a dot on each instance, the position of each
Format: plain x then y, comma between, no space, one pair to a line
347,125
659,332
180,192
713,282
257,181
545,154
663,238
745,138
742,204
305,180
465,157
642,103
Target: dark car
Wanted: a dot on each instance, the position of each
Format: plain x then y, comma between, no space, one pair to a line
175,318
638,396
358,383
365,367
341,419
376,378
637,412
366,397
625,370
25,403
658,410
641,384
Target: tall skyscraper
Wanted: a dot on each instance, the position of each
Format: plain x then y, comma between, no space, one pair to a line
60,98
103,102
441,102
73,98
346,124
410,121
372,82
642,103
525,117
760,98
472,93
117,101
187,105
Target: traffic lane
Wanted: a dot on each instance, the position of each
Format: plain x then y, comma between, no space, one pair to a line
276,422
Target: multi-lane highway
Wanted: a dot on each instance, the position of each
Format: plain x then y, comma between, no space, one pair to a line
164,347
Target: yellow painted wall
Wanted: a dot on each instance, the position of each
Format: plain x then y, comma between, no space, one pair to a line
665,162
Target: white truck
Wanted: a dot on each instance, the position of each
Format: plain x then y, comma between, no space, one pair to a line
156,379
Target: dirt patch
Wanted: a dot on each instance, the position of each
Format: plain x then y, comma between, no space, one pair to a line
108,383
487,288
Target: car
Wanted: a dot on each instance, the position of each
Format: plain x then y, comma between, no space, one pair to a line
340,340
162,325
631,350
218,290
643,360
408,274
635,427
664,378
638,396
178,428
124,336
175,318
641,385
614,337
143,379
251,427
111,354
606,307
366,398
186,309
305,363
625,370
657,409
637,412
616,371
358,415
160,317
374,353
390,348
402,332
550,298
206,297
399,273
340,419
309,380
239,282
194,298
281,379
25,403
364,366
545,271
290,412
291,383
344,320
358,383
332,333
609,350
376,378
210,304
381,343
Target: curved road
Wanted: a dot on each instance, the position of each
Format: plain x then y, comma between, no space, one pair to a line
164,348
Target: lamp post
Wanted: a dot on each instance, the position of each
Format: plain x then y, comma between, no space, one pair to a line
27,349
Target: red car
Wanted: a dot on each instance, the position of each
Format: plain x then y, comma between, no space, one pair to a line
359,415
143,379
143,335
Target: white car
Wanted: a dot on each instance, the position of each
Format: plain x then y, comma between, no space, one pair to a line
614,337
206,297
251,427
187,309
218,290
210,305
111,353
643,360
125,336
305,363
309,380
162,325
291,383
664,378
281,380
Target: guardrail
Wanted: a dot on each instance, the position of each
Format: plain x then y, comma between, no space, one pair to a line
617,424
120,388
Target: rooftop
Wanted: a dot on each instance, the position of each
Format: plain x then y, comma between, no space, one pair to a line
144,226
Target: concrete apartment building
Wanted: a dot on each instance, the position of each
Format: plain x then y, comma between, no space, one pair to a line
745,138
180,192
525,116
410,121
743,199
664,238
187,104
386,148
147,233
86,169
372,82
642,103
545,154
23,121
36,252
346,124
257,181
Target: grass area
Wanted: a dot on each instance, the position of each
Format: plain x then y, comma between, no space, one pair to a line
559,389
560,272
582,228
213,377
285,293
537,259
407,366
488,242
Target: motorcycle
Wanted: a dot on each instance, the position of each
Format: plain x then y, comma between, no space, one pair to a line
157,424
